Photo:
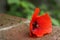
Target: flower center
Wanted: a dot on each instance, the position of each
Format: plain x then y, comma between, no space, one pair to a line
35,25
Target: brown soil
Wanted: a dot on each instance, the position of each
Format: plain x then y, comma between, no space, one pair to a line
7,20
21,32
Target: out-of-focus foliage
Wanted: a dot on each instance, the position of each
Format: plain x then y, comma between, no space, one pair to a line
25,8
21,8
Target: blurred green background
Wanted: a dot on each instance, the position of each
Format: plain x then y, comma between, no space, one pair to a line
25,9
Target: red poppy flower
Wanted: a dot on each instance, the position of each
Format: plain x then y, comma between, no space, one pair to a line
40,25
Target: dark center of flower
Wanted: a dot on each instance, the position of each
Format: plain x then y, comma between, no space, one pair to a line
35,25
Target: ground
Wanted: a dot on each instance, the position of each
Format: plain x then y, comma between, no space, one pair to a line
20,31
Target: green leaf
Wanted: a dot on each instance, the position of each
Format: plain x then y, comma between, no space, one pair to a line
43,6
27,4
55,22
13,1
42,12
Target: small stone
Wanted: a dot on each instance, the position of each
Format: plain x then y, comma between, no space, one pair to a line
1,24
